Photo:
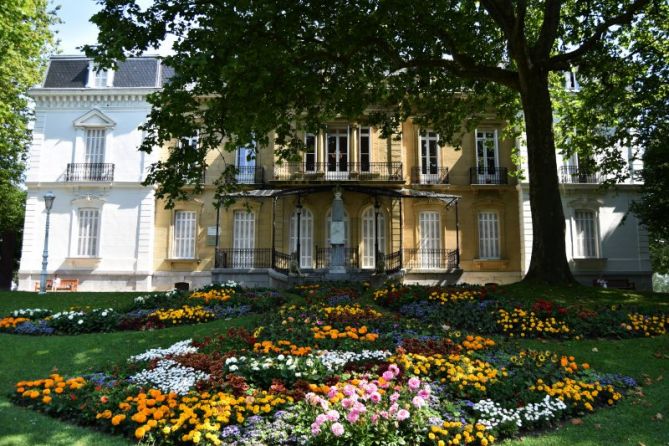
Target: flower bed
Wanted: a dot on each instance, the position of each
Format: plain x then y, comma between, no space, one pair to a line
336,374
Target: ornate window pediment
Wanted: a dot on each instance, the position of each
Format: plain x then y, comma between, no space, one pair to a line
94,118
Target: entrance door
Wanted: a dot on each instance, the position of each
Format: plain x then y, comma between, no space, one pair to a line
429,163
337,164
243,239
429,249
368,260
306,237
487,157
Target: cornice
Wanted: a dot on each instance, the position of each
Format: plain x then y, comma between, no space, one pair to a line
78,97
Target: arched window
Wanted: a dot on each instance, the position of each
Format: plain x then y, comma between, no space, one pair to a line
368,236
306,237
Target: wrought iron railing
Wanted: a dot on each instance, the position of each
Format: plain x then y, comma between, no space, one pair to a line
248,175
243,258
324,257
488,175
334,171
417,258
392,262
90,172
281,261
429,175
572,174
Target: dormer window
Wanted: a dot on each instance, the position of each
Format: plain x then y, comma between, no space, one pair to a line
99,78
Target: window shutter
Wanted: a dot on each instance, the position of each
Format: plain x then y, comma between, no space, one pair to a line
89,225
184,235
95,146
488,235
586,234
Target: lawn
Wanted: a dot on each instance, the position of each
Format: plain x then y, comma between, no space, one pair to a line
639,419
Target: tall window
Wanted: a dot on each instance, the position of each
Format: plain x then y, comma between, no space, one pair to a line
95,146
571,82
89,231
243,239
337,153
246,165
306,237
586,234
365,149
368,236
488,235
429,146
486,155
429,249
185,233
310,149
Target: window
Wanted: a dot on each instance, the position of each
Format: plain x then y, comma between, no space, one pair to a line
245,161
369,236
185,231
95,146
429,158
89,230
571,83
310,150
585,234
306,237
488,235
429,250
101,78
337,153
365,149
486,155
243,239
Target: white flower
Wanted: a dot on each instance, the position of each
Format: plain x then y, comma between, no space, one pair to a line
233,368
80,321
170,376
71,316
177,349
104,313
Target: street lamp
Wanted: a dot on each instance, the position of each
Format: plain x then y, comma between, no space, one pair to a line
48,204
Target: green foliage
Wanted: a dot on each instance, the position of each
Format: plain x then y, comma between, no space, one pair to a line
25,42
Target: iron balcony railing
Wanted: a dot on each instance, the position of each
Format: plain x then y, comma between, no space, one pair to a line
572,174
335,171
488,175
324,258
90,172
281,261
392,263
243,258
429,175
417,258
248,175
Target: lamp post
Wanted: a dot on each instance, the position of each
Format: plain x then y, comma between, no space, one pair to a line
377,209
48,204
298,243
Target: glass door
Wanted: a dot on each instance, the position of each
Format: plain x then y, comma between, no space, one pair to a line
487,157
337,162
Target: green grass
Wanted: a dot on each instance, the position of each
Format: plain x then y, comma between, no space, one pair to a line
630,423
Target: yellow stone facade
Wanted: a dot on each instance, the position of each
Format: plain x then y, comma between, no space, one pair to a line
394,168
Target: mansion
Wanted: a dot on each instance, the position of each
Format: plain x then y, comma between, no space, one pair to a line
356,207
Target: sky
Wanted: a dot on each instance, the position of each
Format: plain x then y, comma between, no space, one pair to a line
76,30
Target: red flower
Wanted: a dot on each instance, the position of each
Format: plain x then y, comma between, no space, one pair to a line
104,399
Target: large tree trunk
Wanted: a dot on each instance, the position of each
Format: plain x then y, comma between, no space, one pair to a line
549,258
8,241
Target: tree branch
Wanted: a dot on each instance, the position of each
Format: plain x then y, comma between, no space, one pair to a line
549,28
502,13
562,61
477,72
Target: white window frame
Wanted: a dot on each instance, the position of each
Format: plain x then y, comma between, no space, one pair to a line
368,134
367,230
184,246
243,238
242,161
486,176
571,81
430,241
427,177
339,170
93,77
95,145
489,237
88,232
581,248
306,237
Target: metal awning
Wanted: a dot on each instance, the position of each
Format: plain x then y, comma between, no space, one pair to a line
395,193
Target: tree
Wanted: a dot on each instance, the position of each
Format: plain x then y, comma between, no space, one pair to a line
25,41
246,70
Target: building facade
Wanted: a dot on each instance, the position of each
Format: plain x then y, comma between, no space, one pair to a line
84,150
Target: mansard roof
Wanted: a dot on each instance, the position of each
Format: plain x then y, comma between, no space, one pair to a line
137,72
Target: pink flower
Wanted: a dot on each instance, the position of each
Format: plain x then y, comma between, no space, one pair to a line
402,415
333,415
375,397
375,418
349,390
315,429
332,392
414,383
384,414
359,407
353,416
418,402
393,368
394,397
371,388
347,403
393,408
320,419
388,375
424,392
337,429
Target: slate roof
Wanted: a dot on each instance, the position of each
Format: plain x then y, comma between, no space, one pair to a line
72,72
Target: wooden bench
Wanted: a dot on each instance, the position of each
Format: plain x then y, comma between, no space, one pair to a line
622,283
65,285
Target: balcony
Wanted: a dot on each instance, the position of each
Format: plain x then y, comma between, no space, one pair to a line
489,175
574,175
249,175
426,259
89,172
429,175
331,171
243,258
